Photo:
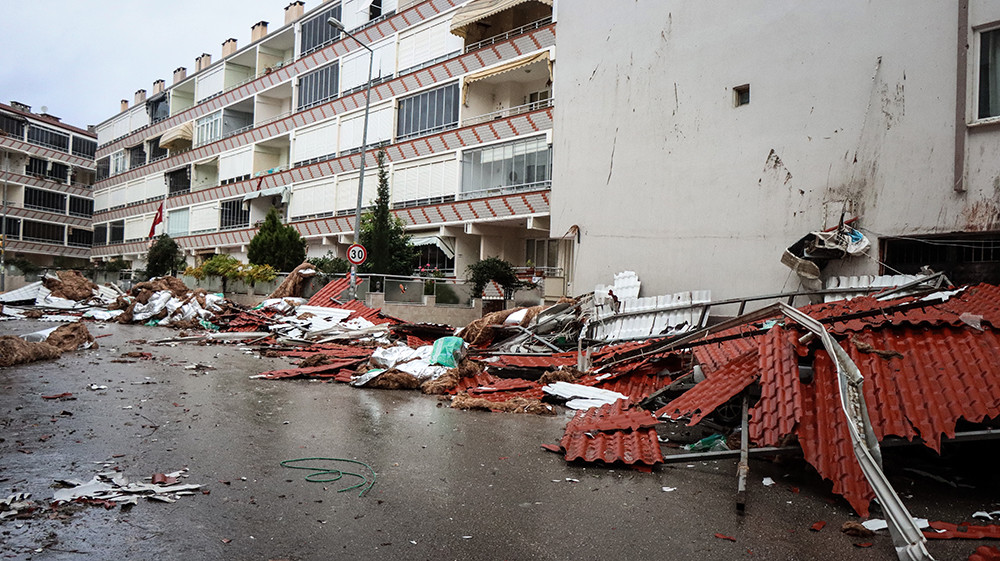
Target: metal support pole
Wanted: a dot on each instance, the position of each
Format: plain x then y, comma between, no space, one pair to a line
3,228
743,469
352,293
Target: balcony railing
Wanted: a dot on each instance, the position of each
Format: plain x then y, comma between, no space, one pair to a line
505,190
425,132
45,209
512,33
509,112
431,62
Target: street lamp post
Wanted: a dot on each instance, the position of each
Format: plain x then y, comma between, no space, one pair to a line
334,22
3,228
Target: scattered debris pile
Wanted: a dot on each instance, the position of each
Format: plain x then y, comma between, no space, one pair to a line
47,344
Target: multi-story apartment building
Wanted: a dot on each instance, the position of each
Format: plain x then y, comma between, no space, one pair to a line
46,174
729,133
461,103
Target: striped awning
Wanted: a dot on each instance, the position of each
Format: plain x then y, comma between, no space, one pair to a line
478,10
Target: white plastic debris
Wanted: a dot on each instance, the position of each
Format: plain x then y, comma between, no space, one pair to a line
38,336
876,524
668,489
767,482
580,396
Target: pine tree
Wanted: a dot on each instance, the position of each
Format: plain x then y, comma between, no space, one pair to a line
277,245
382,234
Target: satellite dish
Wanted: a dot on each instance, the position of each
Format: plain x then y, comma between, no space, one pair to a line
45,109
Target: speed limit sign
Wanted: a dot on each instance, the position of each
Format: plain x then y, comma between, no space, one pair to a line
357,254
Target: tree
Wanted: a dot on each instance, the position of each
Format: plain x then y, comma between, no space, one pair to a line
389,249
330,264
164,257
277,245
493,269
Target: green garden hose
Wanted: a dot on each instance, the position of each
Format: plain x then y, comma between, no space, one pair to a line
329,475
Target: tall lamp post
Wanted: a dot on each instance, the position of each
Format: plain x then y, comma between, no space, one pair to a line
334,22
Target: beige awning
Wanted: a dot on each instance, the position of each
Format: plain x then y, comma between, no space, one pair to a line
178,136
505,67
481,9
282,190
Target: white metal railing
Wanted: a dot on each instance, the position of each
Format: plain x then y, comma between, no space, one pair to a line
44,209
425,64
507,35
508,112
427,131
505,190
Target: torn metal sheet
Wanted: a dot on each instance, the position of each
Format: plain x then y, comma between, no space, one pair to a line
582,397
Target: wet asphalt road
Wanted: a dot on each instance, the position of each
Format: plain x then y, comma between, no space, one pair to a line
451,484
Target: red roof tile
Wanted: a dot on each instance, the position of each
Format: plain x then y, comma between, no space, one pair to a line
333,289
636,385
966,531
596,435
481,379
552,361
709,394
373,315
330,370
502,385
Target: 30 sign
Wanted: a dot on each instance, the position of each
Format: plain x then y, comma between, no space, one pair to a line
357,254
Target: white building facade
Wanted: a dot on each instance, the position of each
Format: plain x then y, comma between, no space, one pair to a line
461,103
46,176
695,143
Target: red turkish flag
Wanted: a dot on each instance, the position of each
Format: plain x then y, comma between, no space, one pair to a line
156,220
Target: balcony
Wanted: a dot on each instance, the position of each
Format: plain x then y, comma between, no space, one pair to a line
509,112
469,47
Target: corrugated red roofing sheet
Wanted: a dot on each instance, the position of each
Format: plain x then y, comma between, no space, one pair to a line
373,315
552,361
636,385
481,379
330,370
709,394
596,435
333,289
502,385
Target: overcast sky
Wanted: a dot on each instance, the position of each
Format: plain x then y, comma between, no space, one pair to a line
80,58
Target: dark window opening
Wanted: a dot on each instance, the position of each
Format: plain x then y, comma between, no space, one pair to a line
80,238
316,33
13,229
741,95
39,199
104,168
136,156
78,206
100,234
319,86
179,181
117,232
431,258
48,138
964,258
84,147
155,152
158,108
11,125
43,231
428,112
989,74
47,169
374,9
233,215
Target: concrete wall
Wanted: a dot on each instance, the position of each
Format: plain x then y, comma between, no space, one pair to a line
428,312
853,105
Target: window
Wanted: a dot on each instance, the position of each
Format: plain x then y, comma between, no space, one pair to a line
741,95
989,74
13,126
84,147
542,253
177,222
428,112
13,228
79,206
158,108
40,199
208,129
104,168
521,164
968,259
47,169
319,86
155,152
537,99
179,181
118,162
100,234
48,138
374,9
116,232
43,231
232,215
136,156
316,33
80,238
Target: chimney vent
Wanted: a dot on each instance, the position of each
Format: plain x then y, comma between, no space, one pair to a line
203,62
228,47
20,106
258,31
294,11
180,74
140,97
157,87
124,105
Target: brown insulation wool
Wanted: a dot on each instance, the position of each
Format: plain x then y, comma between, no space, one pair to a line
480,332
514,405
394,380
14,350
296,282
70,285
70,337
